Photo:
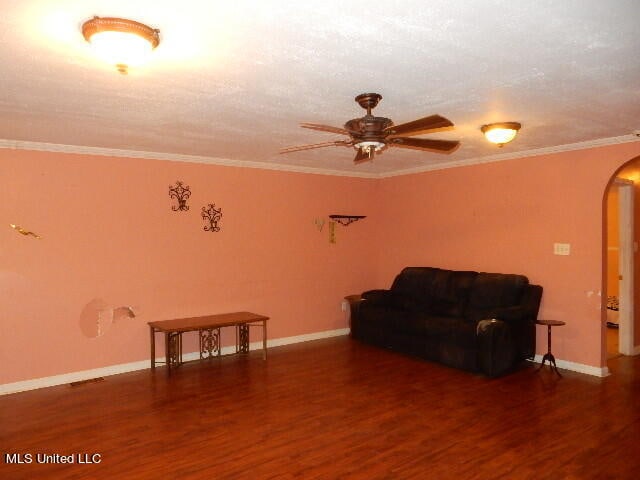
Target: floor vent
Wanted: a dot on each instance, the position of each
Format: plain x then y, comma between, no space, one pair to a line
84,382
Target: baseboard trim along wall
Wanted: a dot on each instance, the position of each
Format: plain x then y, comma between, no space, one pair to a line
577,367
66,378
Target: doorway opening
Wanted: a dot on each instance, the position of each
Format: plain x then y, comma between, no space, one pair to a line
622,201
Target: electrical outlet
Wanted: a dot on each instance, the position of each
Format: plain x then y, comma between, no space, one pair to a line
561,248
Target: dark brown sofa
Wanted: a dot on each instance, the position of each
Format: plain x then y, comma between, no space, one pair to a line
479,322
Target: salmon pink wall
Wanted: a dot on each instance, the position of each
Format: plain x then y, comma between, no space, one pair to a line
505,217
108,233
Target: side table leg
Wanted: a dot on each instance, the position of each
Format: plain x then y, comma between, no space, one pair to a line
153,347
552,364
549,356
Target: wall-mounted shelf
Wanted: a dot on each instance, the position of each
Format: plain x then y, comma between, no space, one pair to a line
346,219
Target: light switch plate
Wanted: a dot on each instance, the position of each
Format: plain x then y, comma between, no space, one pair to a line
561,248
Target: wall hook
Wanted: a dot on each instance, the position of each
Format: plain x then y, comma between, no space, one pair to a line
22,231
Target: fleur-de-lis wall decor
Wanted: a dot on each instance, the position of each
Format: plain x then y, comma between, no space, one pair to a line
181,193
212,215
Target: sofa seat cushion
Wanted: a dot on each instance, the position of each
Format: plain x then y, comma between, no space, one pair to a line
507,314
379,316
444,329
393,300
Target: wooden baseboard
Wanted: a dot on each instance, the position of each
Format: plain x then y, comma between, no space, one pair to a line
74,377
578,367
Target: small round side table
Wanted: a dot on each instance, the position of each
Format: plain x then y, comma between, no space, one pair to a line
549,356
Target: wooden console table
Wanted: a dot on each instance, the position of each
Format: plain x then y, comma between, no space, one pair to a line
208,328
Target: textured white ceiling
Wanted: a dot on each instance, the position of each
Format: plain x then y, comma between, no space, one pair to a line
232,80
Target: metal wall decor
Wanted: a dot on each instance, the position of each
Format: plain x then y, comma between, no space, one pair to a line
23,231
346,219
212,215
181,193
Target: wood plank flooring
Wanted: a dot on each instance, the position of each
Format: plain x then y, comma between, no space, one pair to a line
331,409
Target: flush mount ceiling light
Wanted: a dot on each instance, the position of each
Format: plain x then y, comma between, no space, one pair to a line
501,133
119,41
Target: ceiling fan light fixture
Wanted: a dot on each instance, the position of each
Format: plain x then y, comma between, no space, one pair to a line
501,133
120,41
368,145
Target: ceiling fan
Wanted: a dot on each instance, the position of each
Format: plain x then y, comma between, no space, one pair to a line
370,134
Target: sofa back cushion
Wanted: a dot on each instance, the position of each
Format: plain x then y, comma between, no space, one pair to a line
428,289
413,280
449,292
490,290
410,286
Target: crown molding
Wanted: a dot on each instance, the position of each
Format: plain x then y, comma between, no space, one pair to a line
601,142
175,157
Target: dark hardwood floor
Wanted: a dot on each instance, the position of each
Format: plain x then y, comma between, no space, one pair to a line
326,410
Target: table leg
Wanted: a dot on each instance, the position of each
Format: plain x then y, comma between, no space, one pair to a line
209,342
264,339
243,335
167,352
152,332
549,356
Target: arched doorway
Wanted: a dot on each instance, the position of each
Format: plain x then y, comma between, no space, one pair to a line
621,267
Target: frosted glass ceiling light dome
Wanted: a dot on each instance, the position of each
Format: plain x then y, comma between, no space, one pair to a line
501,133
119,41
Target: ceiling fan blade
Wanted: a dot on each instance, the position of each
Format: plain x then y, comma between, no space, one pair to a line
438,146
324,128
337,143
422,125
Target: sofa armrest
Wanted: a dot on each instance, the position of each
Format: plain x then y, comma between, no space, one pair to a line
496,347
530,301
354,311
509,314
379,297
524,329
